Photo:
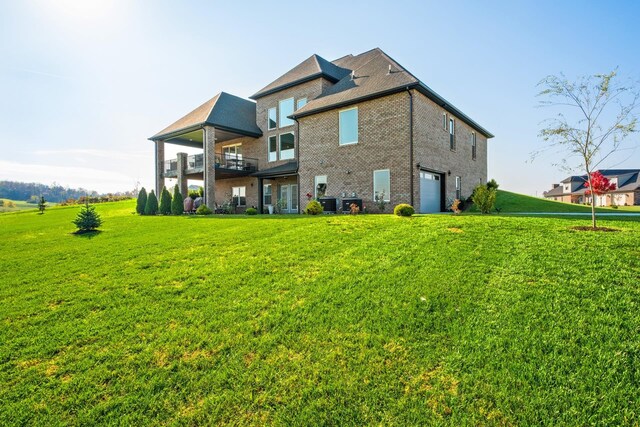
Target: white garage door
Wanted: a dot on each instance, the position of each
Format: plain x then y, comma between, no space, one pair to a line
429,192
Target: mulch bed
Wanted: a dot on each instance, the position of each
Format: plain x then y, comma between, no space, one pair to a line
589,228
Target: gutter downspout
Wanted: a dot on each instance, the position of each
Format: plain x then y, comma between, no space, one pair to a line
410,144
298,162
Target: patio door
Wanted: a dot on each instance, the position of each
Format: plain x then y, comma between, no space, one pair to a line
233,156
288,198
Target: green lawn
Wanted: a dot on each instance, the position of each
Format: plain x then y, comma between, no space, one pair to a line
19,205
329,320
509,202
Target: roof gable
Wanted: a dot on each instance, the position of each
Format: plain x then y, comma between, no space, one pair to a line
311,68
375,74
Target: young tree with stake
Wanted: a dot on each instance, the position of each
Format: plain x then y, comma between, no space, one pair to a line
597,115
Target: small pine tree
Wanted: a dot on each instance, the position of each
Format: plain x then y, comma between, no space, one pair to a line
177,203
165,202
151,208
88,219
42,205
142,201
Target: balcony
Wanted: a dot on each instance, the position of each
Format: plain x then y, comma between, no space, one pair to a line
226,166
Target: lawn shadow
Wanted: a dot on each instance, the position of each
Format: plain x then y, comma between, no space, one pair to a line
87,234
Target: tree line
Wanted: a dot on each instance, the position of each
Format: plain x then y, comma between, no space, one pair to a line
31,192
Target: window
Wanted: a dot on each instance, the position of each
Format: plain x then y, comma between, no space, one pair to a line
452,131
286,109
473,145
287,146
349,126
320,186
266,194
301,103
444,121
271,120
382,185
273,148
238,196
232,155
458,188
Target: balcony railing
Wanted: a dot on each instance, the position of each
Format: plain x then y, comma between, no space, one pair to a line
237,164
171,166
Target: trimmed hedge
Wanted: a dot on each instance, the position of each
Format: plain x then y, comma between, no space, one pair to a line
314,208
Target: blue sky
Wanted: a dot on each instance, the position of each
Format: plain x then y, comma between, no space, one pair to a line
83,84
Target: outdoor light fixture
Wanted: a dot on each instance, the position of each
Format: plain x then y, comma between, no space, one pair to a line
448,172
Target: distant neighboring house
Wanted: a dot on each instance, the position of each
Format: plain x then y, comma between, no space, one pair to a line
573,189
359,127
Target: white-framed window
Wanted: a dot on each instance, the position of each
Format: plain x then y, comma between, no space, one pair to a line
287,146
301,103
348,126
272,121
382,185
452,134
239,196
320,186
474,149
232,156
458,188
272,148
266,195
285,108
444,121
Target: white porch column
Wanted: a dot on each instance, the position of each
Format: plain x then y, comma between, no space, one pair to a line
209,145
182,175
159,167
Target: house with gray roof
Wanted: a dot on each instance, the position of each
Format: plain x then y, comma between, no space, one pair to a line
358,129
573,189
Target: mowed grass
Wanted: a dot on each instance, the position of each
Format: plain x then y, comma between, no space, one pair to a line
329,320
18,205
509,202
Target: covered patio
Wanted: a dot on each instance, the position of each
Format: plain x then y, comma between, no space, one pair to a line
223,118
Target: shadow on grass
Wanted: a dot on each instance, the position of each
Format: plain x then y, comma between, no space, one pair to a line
248,217
87,234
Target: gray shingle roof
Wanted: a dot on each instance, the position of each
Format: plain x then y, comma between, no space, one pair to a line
224,111
372,78
311,68
628,180
558,191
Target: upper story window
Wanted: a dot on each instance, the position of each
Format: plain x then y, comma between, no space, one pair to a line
474,149
444,121
285,108
287,146
348,126
301,103
271,119
272,150
452,134
382,185
458,188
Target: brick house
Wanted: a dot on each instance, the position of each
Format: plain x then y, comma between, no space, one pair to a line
573,189
359,127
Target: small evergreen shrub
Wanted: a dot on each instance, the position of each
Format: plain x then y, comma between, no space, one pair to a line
177,202
88,219
142,201
404,209
251,211
165,202
194,194
484,198
314,208
42,205
203,210
492,185
151,208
